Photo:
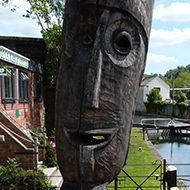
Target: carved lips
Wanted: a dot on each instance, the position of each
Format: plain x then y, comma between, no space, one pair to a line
96,138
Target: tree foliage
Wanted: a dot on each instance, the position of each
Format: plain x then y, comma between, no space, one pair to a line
180,97
180,75
154,103
153,95
49,15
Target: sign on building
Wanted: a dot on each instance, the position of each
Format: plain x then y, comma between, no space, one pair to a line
13,57
3,70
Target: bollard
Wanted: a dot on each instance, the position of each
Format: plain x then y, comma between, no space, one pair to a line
171,177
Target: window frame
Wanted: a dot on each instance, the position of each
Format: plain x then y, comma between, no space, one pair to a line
25,87
8,99
37,88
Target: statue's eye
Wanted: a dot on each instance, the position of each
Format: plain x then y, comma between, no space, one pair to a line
88,39
121,42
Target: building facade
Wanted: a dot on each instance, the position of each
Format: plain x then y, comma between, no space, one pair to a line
147,84
21,88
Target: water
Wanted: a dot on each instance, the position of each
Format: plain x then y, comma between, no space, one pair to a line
176,150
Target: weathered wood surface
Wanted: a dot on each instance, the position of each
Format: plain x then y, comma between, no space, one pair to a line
103,58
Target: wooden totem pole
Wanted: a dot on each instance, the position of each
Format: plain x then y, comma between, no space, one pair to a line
103,56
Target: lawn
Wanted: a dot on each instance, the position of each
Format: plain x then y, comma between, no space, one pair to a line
140,164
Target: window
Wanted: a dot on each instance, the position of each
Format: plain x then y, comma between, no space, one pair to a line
158,88
37,88
7,86
23,86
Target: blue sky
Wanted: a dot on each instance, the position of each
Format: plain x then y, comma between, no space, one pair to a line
169,42
170,36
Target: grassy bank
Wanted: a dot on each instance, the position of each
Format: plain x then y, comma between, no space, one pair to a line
139,165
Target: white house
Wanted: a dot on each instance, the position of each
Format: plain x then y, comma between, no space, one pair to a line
147,84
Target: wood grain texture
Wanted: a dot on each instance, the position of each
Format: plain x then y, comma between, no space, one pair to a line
101,66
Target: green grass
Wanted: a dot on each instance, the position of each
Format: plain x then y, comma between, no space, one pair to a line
139,163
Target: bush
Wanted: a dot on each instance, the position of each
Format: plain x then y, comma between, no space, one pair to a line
13,175
154,95
32,179
50,156
180,97
155,107
154,103
182,107
181,103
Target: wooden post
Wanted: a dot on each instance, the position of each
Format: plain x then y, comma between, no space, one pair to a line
44,144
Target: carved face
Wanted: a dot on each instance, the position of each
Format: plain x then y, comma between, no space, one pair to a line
99,75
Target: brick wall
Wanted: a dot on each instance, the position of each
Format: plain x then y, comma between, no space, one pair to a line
13,148
29,113
10,146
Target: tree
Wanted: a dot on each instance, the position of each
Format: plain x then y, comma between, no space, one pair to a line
153,95
183,80
49,15
180,97
154,103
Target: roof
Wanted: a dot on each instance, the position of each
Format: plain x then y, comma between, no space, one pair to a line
19,60
146,80
32,48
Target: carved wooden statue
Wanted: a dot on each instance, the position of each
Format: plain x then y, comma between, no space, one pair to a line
103,57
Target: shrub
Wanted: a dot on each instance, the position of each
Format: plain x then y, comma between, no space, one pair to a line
182,107
9,172
180,97
50,156
153,95
32,179
154,103
155,107
13,175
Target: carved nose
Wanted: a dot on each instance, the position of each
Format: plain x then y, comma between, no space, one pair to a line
93,80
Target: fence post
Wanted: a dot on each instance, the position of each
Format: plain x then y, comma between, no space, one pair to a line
116,183
164,175
36,152
143,132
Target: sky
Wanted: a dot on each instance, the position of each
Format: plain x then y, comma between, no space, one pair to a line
169,45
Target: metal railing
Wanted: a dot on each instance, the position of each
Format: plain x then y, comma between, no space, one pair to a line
135,177
137,180
158,122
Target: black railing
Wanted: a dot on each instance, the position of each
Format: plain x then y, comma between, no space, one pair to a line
13,177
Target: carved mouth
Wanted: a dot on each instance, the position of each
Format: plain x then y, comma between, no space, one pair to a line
97,138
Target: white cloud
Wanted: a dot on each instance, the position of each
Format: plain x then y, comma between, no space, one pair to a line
13,24
178,12
166,37
153,58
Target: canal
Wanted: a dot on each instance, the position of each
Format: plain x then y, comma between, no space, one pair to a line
176,151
